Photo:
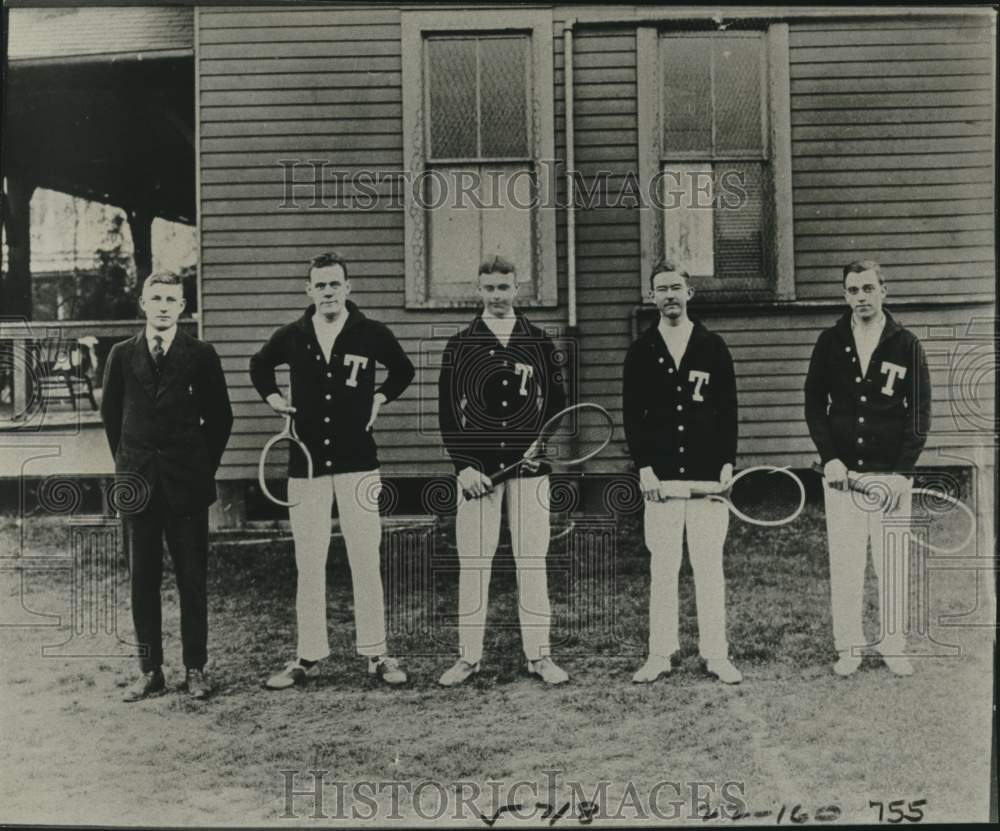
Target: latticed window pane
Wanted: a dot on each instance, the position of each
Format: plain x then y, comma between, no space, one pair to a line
503,85
743,221
738,95
687,94
452,80
713,130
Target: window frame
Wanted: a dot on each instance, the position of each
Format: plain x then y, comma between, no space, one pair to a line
415,29
777,107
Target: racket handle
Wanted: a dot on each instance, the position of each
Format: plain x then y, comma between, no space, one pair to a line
852,483
705,488
505,474
511,472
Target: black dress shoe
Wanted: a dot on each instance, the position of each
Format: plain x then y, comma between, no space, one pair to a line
148,684
197,684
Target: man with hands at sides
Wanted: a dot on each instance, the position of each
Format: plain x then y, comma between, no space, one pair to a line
167,417
680,414
332,351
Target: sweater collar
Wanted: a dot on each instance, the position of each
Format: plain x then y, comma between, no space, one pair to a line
846,332
480,327
698,333
354,316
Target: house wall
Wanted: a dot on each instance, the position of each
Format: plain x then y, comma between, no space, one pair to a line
891,158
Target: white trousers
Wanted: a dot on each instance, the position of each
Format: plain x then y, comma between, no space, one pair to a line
850,525
357,501
706,523
477,532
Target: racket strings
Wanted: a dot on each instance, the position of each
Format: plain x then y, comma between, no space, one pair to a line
576,434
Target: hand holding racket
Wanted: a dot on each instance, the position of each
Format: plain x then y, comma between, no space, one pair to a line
763,486
937,505
288,434
556,445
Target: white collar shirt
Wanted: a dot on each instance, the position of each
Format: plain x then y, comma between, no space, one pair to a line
327,333
676,338
501,327
866,340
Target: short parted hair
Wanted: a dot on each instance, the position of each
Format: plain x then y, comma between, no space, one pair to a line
497,265
166,278
665,264
327,258
859,266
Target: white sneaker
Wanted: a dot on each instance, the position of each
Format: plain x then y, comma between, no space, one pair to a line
548,670
723,669
388,669
899,665
459,673
293,674
655,666
847,664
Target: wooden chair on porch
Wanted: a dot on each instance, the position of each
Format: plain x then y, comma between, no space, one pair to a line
60,370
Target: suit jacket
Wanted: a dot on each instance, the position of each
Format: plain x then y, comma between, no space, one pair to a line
170,431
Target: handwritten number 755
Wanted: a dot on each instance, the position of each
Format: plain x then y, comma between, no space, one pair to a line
895,814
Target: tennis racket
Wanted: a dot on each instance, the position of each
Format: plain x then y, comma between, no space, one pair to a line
288,434
559,440
930,507
773,496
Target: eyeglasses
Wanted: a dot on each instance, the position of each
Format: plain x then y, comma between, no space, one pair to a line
867,289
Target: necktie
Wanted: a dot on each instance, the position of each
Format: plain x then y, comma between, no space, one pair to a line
159,356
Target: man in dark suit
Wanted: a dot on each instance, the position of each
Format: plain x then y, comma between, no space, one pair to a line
167,416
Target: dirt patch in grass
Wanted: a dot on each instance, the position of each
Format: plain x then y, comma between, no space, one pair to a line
791,735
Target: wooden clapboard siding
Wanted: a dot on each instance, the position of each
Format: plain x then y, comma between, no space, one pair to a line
892,140
308,83
892,158
771,372
607,238
889,173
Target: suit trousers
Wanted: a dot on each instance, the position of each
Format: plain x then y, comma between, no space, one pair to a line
706,523
187,542
357,505
851,523
477,533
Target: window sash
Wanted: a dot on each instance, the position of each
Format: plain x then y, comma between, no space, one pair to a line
777,278
698,231
525,41
695,234
461,235
714,152
416,27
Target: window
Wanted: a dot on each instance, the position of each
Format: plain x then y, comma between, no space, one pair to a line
718,165
478,127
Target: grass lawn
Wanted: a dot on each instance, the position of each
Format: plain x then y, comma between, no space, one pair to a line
791,735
